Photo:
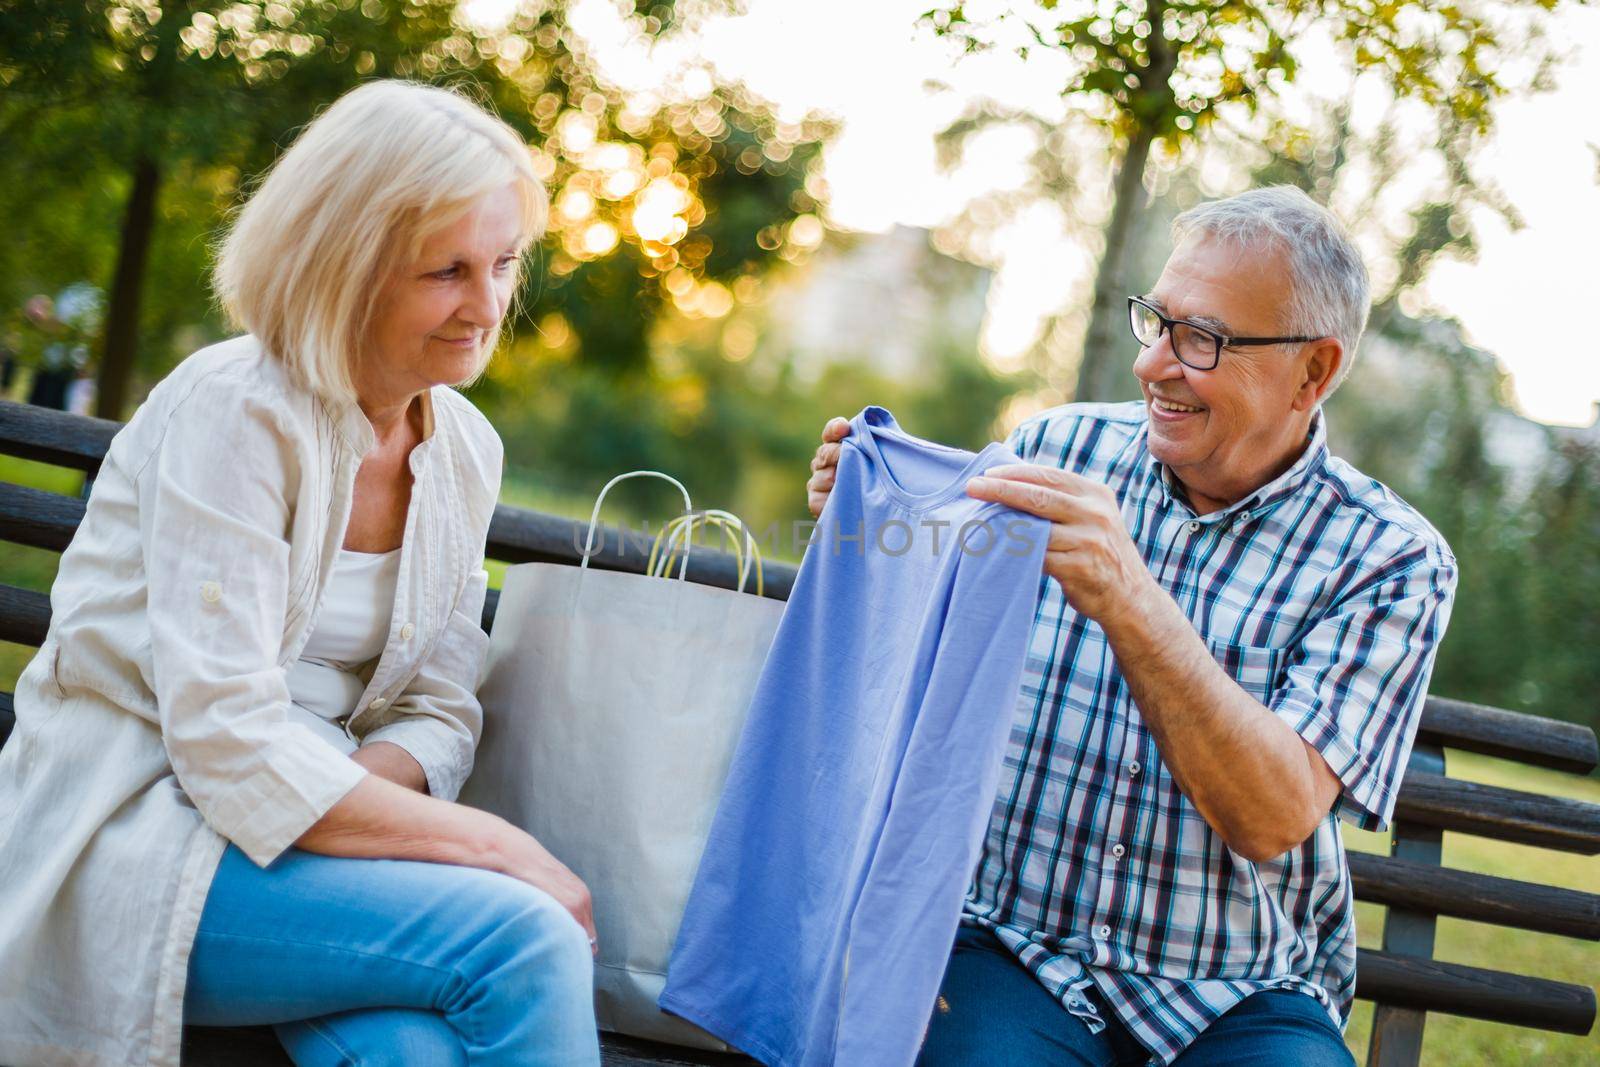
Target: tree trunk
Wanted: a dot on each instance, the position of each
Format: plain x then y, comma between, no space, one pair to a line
1106,371
127,287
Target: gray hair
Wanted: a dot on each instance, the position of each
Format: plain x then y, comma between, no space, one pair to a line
1329,293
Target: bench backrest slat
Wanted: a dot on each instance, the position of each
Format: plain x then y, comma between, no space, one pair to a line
1544,742
55,437
1400,883
24,616
1429,985
1500,813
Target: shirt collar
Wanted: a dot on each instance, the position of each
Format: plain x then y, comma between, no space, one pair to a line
1263,499
357,431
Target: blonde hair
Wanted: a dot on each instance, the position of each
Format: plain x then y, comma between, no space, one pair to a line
385,166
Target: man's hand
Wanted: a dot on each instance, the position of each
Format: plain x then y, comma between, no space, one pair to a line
824,464
1257,783
1090,551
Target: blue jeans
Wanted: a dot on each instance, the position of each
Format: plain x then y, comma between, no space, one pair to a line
357,961
994,1012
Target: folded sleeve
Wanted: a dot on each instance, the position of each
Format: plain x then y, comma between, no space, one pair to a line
215,507
438,719
1354,685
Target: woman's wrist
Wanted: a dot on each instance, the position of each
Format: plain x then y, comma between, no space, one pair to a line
489,841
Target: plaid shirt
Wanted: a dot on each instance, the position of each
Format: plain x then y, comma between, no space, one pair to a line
1324,596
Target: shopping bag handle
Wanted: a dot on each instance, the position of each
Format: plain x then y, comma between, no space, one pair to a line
729,524
594,516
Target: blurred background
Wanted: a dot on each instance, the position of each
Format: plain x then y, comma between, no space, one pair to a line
766,213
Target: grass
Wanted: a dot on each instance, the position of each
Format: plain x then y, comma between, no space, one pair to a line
1449,1042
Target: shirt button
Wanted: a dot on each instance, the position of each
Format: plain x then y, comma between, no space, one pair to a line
406,631
1243,517
1105,932
378,704
1134,769
1118,851
210,592
1194,526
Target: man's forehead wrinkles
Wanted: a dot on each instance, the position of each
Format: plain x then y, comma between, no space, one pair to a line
1218,277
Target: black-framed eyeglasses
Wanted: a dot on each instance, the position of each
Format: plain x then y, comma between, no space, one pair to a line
1195,345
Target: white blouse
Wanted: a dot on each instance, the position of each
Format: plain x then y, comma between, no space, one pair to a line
156,723
326,682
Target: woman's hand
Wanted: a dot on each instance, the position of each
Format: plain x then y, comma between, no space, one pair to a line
380,819
523,858
824,464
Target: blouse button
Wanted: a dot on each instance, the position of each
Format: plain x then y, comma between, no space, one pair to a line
210,592
378,704
407,631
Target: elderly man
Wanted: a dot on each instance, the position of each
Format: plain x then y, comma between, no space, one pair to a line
1233,650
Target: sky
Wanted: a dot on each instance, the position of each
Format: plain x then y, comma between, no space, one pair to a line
1527,296
1524,298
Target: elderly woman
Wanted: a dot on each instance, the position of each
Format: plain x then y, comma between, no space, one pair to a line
229,800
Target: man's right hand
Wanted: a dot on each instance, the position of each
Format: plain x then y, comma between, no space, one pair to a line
824,464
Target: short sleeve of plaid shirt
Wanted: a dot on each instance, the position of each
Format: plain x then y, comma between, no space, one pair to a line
1355,683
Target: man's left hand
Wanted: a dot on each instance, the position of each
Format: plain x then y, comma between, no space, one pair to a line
1090,552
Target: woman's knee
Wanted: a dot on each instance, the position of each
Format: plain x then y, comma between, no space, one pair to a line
537,935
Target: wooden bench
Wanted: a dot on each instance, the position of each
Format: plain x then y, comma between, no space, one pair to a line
1402,977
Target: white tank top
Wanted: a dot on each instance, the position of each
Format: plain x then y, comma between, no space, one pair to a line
325,683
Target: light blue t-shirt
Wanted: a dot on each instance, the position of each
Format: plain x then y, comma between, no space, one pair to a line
826,904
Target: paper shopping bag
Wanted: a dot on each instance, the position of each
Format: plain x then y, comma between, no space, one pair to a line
612,706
